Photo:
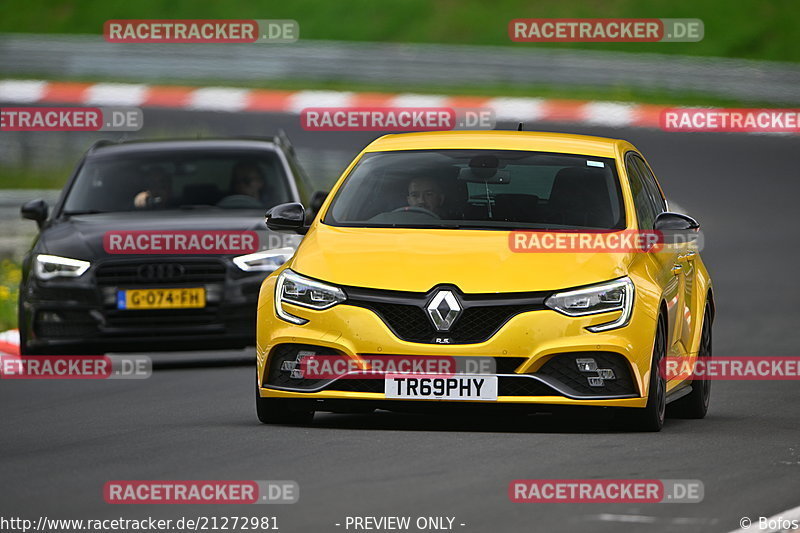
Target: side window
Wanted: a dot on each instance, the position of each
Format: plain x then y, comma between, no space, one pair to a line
650,184
645,209
304,188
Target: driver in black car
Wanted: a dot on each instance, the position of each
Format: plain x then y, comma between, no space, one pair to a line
426,193
247,179
158,192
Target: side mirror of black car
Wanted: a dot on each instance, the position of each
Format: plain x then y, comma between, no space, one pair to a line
317,199
289,217
35,210
675,222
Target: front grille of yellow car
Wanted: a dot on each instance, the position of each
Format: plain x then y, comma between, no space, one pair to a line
481,317
559,376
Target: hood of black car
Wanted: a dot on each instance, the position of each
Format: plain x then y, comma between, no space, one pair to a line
81,236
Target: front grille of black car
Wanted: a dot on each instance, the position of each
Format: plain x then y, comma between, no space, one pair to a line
156,319
161,272
563,368
60,294
64,324
481,317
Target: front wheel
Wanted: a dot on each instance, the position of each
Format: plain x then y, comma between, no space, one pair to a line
695,404
281,411
651,417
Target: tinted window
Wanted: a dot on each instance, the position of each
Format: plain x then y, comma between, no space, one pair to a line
227,180
650,184
643,201
484,189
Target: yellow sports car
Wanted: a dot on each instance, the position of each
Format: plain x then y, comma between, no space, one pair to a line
524,262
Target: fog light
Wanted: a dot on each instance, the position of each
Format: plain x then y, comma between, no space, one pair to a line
603,374
50,317
606,373
295,368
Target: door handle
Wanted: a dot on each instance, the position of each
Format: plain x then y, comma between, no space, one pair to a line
676,269
688,256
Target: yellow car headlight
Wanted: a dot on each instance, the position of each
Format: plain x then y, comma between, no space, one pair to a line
295,289
614,295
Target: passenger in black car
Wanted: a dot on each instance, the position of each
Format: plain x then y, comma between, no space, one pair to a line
158,192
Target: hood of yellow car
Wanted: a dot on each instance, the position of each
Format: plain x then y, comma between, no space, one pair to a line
476,261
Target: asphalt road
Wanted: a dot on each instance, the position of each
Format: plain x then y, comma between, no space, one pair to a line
60,441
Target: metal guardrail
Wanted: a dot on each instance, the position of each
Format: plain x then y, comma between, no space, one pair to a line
71,56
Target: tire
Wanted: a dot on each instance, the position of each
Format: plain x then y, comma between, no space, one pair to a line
281,411
695,404
651,417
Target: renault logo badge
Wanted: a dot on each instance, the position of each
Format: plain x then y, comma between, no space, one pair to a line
443,310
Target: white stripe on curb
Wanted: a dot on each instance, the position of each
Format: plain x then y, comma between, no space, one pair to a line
608,114
218,99
22,91
516,108
418,100
11,336
126,94
304,99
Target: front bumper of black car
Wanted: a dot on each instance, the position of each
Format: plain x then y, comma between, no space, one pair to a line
69,316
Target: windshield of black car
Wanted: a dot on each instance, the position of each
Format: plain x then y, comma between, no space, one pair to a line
179,180
480,189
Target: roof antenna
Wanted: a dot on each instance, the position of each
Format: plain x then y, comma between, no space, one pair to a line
519,128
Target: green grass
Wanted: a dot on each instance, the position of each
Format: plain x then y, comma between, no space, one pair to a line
13,178
10,275
757,29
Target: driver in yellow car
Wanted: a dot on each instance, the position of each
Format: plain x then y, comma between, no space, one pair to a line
426,193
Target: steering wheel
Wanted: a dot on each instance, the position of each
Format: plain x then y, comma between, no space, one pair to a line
416,209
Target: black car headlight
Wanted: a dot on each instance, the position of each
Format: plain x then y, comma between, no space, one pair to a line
295,289
264,261
53,266
614,295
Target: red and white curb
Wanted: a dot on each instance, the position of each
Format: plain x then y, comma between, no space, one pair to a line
233,99
9,343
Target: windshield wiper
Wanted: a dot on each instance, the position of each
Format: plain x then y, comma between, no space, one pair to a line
484,226
84,212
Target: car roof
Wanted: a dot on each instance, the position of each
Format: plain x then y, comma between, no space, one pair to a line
133,147
502,140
